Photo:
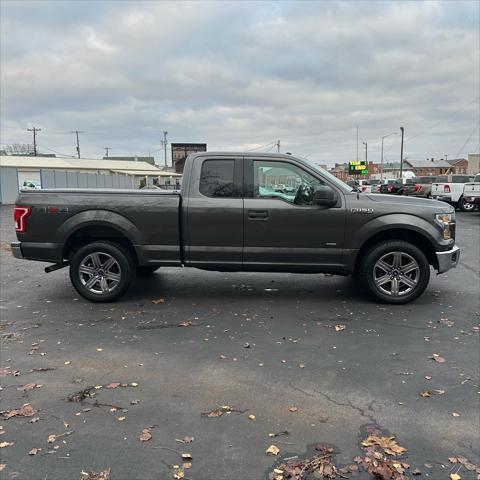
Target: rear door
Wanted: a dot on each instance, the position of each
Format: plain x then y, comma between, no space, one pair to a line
283,229
213,227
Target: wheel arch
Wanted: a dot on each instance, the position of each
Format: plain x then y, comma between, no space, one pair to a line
399,233
91,226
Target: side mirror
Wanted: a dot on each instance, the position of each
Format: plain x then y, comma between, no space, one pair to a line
324,196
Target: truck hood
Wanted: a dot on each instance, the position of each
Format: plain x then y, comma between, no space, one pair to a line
398,200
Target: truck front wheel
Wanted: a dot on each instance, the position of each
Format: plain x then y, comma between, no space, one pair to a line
395,271
101,271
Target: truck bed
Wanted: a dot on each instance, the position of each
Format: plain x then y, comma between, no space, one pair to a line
150,219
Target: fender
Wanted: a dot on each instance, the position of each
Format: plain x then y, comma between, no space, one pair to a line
104,218
394,221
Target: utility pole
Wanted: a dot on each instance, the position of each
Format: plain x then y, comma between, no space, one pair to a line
401,154
164,145
107,149
78,143
34,130
381,160
357,143
366,152
278,146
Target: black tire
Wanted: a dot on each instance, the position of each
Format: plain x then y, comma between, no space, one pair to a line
411,259
464,206
145,271
117,277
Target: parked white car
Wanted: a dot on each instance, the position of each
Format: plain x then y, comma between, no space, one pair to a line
449,188
471,191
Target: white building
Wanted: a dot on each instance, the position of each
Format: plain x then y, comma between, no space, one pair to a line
56,172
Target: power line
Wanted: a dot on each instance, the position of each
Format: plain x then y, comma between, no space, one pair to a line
262,146
466,141
445,118
34,130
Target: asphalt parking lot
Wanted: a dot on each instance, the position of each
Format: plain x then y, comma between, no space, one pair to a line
263,344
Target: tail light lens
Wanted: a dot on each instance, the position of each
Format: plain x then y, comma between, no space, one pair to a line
20,215
417,188
389,188
364,189
446,188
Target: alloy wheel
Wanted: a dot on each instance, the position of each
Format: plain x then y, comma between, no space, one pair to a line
396,273
99,273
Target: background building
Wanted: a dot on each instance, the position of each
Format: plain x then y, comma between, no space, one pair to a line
180,152
78,173
150,160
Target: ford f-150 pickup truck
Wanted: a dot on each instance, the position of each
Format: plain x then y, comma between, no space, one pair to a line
231,216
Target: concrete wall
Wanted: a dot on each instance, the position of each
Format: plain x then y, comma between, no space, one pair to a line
9,181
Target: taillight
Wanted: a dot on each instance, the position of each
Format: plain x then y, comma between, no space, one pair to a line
446,188
389,188
20,215
417,188
364,189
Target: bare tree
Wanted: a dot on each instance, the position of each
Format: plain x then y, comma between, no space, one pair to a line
19,149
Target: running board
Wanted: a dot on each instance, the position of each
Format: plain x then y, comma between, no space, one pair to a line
57,266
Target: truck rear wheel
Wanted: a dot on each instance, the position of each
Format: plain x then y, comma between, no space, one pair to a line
395,271
465,206
101,271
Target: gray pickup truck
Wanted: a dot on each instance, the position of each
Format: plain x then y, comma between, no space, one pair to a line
238,212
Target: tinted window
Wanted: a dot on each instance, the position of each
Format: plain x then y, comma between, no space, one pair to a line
216,178
441,179
477,178
425,180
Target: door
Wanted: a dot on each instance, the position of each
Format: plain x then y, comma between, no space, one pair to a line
213,227
284,230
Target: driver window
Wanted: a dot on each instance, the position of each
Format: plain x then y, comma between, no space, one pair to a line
284,181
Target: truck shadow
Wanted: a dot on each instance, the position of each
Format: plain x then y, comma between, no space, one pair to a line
196,285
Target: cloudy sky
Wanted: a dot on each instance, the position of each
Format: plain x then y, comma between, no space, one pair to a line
241,75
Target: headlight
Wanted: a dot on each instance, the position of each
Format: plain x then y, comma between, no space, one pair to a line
444,220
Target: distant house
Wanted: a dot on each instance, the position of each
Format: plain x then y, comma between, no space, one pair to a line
423,168
459,165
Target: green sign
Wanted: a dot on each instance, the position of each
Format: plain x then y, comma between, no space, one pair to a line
358,167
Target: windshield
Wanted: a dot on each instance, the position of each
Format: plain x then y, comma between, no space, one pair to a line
425,180
327,175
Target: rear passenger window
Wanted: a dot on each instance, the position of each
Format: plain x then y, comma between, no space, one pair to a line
217,178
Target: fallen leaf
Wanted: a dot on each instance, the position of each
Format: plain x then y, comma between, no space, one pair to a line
184,324
416,472
28,386
68,362
158,301
185,440
301,365
455,414
455,476
99,349
439,392
146,435
437,358
252,417
186,456
293,409
388,444
339,328
24,411
133,384
272,450
121,419
113,385
425,394
34,451
95,476
6,444
51,438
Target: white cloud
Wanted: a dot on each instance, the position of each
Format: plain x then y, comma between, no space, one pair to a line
241,74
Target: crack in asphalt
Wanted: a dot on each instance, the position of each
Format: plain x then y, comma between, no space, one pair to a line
349,404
